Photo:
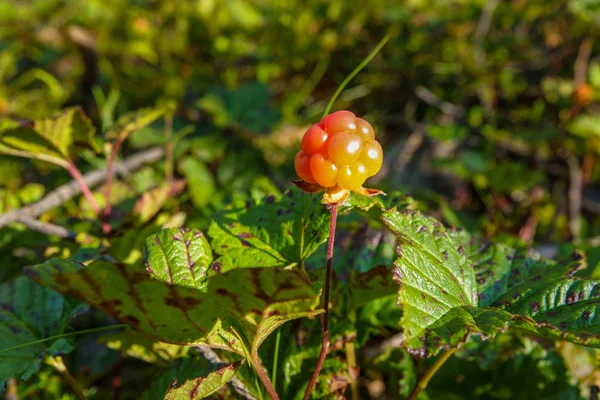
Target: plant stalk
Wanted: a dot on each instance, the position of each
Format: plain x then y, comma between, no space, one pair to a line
109,169
424,380
276,357
262,374
59,365
85,189
351,360
169,147
325,323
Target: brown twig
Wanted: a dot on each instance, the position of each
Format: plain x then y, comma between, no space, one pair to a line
575,196
169,147
325,324
69,190
582,61
45,227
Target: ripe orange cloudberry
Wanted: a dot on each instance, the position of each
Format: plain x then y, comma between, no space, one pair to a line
338,155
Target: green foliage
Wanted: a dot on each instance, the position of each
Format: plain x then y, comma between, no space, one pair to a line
51,139
280,231
528,294
262,298
29,313
487,111
204,386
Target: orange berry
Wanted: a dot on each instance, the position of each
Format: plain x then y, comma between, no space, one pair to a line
364,130
323,170
351,177
371,156
302,164
314,139
339,121
344,148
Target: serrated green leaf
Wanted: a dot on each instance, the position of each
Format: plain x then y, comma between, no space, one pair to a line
204,386
29,312
278,231
134,121
252,302
434,274
52,139
531,295
178,256
499,268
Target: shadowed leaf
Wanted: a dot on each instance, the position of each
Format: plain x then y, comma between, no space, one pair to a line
278,231
29,312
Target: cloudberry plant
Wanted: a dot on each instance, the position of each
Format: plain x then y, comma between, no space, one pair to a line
339,154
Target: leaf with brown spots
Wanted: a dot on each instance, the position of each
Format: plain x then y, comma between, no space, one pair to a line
203,386
437,270
215,316
178,256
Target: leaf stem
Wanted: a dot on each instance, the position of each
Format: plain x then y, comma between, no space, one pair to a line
276,357
356,70
262,374
351,360
65,335
108,181
169,147
59,365
325,323
85,189
424,380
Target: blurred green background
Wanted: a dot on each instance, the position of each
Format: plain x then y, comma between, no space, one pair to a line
487,110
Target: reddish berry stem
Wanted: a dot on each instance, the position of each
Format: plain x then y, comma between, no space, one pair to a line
262,374
325,323
74,171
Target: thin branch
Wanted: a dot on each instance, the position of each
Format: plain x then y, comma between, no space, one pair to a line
59,365
430,98
485,20
85,189
424,380
45,227
235,382
262,374
582,61
109,173
393,342
575,196
325,325
69,190
169,147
